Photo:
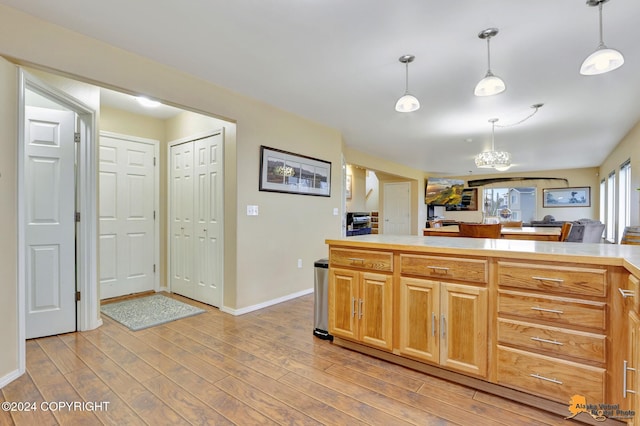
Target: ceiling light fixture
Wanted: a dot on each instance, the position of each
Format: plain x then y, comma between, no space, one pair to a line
603,59
491,84
407,103
499,160
149,103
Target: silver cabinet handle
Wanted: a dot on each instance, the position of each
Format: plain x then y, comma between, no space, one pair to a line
553,342
438,268
353,307
433,324
555,280
626,293
537,376
443,329
360,310
551,311
626,368
356,259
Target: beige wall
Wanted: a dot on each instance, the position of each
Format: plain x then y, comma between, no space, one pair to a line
576,177
8,218
289,227
358,201
628,148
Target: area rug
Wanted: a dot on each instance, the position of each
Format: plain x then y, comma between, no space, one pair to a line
145,312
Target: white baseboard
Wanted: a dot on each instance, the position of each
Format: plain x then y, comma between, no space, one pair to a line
4,381
266,304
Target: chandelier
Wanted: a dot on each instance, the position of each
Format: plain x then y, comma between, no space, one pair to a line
499,160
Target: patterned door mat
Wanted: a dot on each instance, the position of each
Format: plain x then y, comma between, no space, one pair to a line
145,312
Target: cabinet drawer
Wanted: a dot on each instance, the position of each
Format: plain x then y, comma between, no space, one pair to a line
554,378
552,340
553,278
560,310
362,259
472,270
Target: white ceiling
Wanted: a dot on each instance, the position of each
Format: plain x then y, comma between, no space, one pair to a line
336,62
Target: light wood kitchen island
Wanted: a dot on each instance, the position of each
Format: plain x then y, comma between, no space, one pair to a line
535,321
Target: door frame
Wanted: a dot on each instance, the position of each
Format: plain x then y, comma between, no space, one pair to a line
87,309
171,144
156,194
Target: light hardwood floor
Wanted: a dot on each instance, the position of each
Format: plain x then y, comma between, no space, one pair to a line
264,367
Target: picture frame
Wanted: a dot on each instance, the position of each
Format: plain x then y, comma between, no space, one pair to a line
579,196
287,172
348,187
468,201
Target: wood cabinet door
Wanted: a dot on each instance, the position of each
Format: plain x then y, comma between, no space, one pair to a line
420,319
463,322
633,362
343,297
375,310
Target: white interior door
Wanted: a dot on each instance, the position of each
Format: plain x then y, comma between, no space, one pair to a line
181,219
397,208
196,218
208,219
49,184
127,215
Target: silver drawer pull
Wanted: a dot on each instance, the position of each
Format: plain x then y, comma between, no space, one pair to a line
626,368
551,311
438,268
626,293
537,376
555,280
353,307
553,342
355,259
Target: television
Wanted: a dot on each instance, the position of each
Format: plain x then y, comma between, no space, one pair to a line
443,192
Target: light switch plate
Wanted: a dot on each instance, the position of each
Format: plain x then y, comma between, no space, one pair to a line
252,210
335,211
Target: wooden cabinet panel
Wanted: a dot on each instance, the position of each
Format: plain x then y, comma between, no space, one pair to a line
381,261
464,328
553,278
419,318
631,382
440,267
552,340
551,377
559,310
375,310
360,307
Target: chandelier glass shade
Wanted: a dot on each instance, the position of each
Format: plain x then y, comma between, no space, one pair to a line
604,59
407,102
499,160
491,84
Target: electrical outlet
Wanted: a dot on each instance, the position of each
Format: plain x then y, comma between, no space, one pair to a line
299,263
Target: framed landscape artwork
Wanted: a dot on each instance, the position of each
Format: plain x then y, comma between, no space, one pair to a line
567,197
282,171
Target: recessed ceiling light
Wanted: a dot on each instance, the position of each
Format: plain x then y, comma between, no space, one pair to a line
149,103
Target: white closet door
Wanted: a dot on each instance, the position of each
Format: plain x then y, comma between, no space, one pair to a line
208,219
127,223
49,183
196,209
181,216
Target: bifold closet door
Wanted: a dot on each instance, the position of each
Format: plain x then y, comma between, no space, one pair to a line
196,219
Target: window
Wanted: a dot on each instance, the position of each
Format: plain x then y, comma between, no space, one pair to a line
624,198
603,193
521,202
610,219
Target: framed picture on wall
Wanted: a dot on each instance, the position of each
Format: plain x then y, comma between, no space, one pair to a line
348,187
282,171
567,197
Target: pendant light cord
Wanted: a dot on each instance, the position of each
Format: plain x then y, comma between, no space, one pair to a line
535,107
488,55
406,78
600,14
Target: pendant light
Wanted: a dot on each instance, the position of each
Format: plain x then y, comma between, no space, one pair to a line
407,103
499,160
491,84
603,59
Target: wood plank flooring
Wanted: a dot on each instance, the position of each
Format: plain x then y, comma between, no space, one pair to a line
264,367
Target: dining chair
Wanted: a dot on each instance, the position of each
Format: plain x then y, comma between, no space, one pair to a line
631,235
480,230
435,224
512,224
565,231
